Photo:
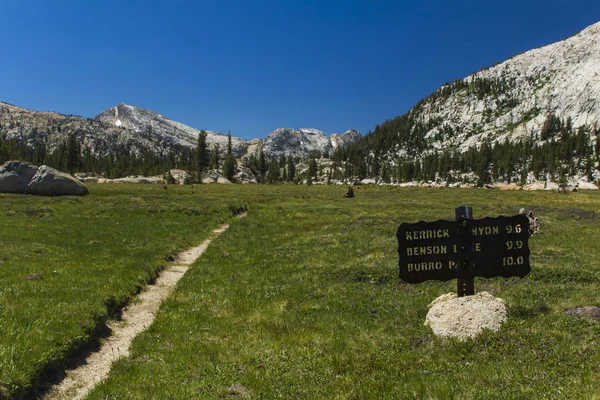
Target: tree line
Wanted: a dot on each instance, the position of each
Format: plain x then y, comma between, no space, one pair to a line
396,151
120,161
558,150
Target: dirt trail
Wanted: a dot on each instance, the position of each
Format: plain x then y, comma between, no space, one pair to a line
136,318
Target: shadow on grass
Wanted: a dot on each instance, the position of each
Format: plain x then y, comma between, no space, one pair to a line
529,312
556,275
54,372
361,276
578,214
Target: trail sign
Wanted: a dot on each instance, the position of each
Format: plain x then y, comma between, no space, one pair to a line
464,248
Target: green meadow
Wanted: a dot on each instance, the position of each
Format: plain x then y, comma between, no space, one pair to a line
299,299
93,254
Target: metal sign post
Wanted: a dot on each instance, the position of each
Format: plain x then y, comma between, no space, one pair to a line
464,286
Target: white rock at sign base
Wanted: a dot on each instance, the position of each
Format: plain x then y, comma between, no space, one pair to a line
465,317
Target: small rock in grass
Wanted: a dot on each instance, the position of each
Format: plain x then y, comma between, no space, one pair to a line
237,391
465,317
590,312
34,277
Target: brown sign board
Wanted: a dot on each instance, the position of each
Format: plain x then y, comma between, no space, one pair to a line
445,250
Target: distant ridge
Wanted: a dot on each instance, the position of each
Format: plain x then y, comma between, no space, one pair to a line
138,130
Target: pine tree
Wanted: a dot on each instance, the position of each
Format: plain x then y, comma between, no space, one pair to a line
581,146
273,173
201,159
312,167
385,173
375,165
230,163
291,166
214,157
73,154
262,163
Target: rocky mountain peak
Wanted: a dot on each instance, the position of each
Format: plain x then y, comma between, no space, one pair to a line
157,126
282,141
513,99
140,129
345,139
304,141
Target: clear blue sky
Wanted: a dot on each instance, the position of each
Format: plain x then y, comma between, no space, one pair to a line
253,66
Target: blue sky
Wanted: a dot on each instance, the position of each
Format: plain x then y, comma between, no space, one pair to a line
253,66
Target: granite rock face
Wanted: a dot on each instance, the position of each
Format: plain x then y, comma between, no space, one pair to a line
512,100
157,126
22,177
15,176
301,142
345,139
288,141
50,182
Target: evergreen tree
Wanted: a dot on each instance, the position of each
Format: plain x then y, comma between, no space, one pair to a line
262,163
73,156
291,166
385,173
273,172
229,163
375,165
581,146
3,152
312,167
201,158
214,157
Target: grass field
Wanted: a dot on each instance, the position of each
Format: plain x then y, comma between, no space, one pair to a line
93,253
300,299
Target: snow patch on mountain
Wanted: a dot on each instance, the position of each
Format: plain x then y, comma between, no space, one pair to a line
141,120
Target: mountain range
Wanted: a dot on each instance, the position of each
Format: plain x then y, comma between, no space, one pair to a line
533,116
138,129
